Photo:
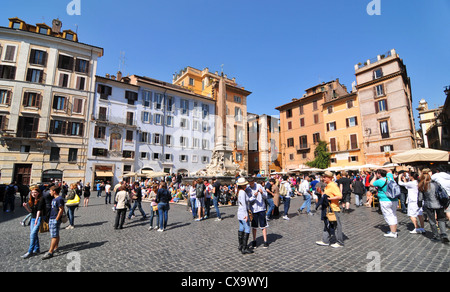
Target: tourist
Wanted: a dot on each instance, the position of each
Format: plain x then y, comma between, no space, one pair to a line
200,196
36,207
216,191
243,216
414,211
433,207
71,204
153,207
268,188
333,195
443,178
54,224
208,197
163,198
108,192
305,191
257,200
10,197
137,197
358,189
120,204
344,184
193,198
388,206
285,193
87,194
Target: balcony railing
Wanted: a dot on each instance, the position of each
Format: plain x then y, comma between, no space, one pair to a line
115,119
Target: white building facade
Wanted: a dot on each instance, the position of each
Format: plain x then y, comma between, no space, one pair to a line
143,124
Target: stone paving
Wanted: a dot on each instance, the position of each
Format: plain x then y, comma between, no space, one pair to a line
211,246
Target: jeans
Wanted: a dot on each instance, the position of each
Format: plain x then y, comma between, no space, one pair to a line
34,236
244,226
152,215
306,204
207,206
194,207
358,199
287,204
120,218
271,207
333,228
163,209
440,214
138,205
71,214
108,198
216,205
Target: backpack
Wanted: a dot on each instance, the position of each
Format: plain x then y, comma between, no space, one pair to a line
10,191
200,191
393,190
442,195
283,190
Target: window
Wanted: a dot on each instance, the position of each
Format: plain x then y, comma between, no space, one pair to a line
195,143
184,105
315,106
144,137
130,118
351,122
331,126
102,113
157,139
330,109
205,111
35,75
156,156
73,154
168,140
54,154
205,144
384,129
291,156
63,80
169,121
387,148
316,119
145,117
146,98
238,114
43,30
157,118
377,74
58,127
99,152
99,132
354,141
7,72
77,107
303,140
238,156
65,62
196,125
205,159
333,145
289,113
183,141
60,103
81,82
131,97
38,57
191,81
302,122
169,103
10,53
195,158
5,96
168,157
290,142
32,99
353,159
158,101
127,154
349,103
75,129
69,36
205,127
104,91
237,99
381,106
25,148
316,137
289,126
144,155
184,123
183,158
301,109
379,90
82,66
129,136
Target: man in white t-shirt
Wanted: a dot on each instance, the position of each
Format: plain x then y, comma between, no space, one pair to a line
443,178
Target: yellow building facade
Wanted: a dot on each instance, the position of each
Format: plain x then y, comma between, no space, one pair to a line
343,132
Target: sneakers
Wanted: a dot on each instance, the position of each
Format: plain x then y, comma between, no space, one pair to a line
285,217
336,245
322,243
266,244
417,231
391,234
47,256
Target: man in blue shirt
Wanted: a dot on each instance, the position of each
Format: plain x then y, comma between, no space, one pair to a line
54,223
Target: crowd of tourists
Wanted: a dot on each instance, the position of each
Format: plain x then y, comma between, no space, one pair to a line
258,200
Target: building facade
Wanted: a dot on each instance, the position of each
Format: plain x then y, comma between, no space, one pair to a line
263,144
230,109
343,133
47,81
384,92
302,124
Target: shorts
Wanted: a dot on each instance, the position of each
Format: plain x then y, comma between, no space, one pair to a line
54,227
346,197
389,210
259,220
414,210
200,202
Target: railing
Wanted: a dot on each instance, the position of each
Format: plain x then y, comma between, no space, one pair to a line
115,119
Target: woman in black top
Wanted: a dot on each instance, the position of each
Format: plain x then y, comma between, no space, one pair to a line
87,194
36,206
163,198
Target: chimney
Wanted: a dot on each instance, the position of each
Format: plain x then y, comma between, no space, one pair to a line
119,75
108,76
56,26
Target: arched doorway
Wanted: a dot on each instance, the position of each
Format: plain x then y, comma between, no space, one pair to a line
51,175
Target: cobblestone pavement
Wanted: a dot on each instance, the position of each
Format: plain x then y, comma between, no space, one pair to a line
211,246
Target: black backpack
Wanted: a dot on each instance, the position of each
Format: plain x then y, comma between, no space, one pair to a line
442,195
200,191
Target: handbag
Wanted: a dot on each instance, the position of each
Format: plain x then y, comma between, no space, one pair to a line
331,216
74,202
64,217
43,227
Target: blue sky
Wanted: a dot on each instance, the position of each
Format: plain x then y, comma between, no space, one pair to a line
275,49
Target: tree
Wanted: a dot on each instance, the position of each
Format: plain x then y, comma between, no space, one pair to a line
322,155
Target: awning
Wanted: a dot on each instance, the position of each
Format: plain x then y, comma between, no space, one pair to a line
104,174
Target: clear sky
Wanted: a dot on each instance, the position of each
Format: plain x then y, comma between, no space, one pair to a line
275,49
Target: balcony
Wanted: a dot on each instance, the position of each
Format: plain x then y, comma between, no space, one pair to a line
115,120
303,147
